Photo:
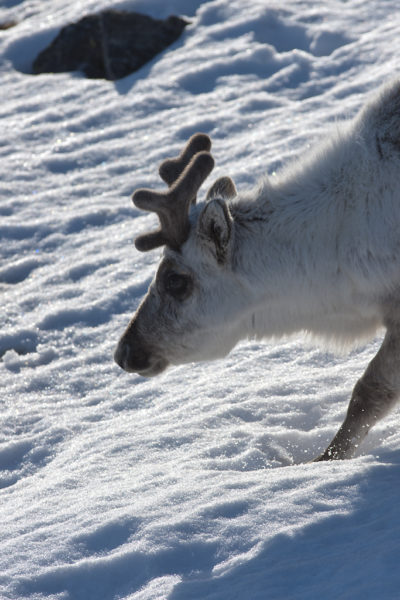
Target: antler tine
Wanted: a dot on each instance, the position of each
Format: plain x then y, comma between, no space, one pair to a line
172,206
172,168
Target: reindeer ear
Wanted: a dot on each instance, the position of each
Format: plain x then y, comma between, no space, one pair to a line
223,187
215,228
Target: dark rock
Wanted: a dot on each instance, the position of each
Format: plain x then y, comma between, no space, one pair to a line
109,45
7,25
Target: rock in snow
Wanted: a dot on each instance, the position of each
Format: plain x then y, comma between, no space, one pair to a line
194,485
108,45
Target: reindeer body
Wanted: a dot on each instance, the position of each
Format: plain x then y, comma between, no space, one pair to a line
315,248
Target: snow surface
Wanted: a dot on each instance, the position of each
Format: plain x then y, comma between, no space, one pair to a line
193,485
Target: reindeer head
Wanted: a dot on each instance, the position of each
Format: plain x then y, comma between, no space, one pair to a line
180,319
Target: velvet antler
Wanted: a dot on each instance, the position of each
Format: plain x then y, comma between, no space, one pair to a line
184,176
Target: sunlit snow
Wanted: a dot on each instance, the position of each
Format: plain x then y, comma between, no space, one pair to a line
196,484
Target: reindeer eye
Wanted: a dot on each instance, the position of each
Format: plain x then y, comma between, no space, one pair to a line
177,285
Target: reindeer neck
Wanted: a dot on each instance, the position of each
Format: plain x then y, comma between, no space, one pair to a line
288,227
289,240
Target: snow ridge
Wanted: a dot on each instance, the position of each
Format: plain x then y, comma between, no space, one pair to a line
194,485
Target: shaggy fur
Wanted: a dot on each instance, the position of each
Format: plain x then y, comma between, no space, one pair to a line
316,249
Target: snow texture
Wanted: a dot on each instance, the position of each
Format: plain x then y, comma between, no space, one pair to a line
194,485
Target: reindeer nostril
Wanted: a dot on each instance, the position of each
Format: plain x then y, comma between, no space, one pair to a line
119,355
131,359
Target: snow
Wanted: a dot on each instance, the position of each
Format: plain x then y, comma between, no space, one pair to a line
196,484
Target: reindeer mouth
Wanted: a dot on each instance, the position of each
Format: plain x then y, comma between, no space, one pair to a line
156,368
134,359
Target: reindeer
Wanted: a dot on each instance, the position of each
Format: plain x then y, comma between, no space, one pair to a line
315,248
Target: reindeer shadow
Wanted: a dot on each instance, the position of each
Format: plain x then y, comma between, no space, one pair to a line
349,556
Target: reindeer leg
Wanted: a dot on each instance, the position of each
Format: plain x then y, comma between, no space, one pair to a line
372,398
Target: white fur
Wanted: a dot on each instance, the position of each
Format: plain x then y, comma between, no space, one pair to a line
315,249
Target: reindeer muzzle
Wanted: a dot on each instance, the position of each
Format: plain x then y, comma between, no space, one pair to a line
132,355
